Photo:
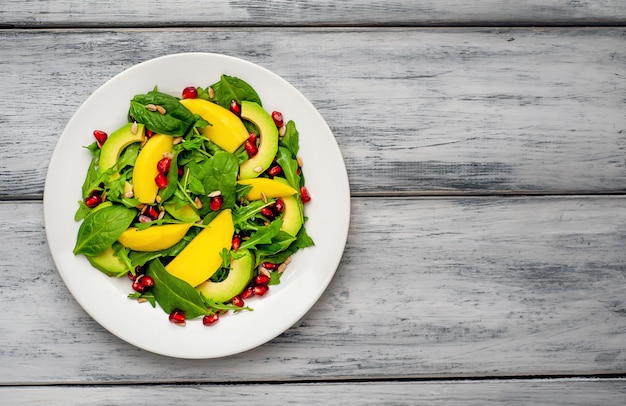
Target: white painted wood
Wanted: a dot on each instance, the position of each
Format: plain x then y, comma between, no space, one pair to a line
567,392
457,287
414,110
320,12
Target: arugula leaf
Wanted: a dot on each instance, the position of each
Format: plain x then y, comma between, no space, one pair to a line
264,235
172,293
101,229
232,88
91,178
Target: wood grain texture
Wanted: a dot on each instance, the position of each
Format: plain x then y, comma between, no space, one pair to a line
37,13
576,392
463,110
458,287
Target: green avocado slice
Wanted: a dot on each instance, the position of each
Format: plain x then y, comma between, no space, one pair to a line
268,148
116,142
240,274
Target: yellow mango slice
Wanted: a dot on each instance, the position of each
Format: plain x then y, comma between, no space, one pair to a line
153,238
145,170
200,259
268,187
226,129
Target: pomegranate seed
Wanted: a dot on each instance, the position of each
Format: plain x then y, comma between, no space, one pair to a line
278,118
237,301
146,281
279,206
138,272
161,181
151,212
100,136
149,133
253,138
248,292
210,319
163,166
304,195
275,170
251,149
177,317
92,201
181,172
190,93
235,107
267,212
236,242
269,265
261,280
260,290
138,287
216,202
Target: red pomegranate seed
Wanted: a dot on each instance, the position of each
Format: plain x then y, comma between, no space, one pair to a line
100,136
251,149
278,118
190,93
146,281
138,272
279,206
248,292
216,202
177,317
253,138
260,290
235,107
275,170
304,195
149,133
236,242
269,265
267,212
261,280
151,212
163,166
161,181
237,301
210,319
92,201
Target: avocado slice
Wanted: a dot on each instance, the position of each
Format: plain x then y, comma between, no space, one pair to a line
268,132
240,274
181,211
115,144
293,217
108,263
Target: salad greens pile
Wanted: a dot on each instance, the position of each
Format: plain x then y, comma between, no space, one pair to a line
197,168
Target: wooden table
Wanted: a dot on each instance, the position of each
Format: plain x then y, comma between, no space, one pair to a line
486,150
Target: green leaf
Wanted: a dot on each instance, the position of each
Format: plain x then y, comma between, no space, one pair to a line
291,139
289,164
232,88
263,236
176,121
101,229
221,174
172,293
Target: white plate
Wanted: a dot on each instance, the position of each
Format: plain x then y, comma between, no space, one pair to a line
306,278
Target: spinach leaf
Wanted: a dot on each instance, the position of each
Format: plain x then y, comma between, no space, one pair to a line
221,174
176,121
101,229
172,293
289,164
291,139
232,88
93,176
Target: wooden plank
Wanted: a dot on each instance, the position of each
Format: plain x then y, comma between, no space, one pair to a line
414,110
570,392
451,288
320,12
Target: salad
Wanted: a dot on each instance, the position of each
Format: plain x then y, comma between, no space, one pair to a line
198,199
